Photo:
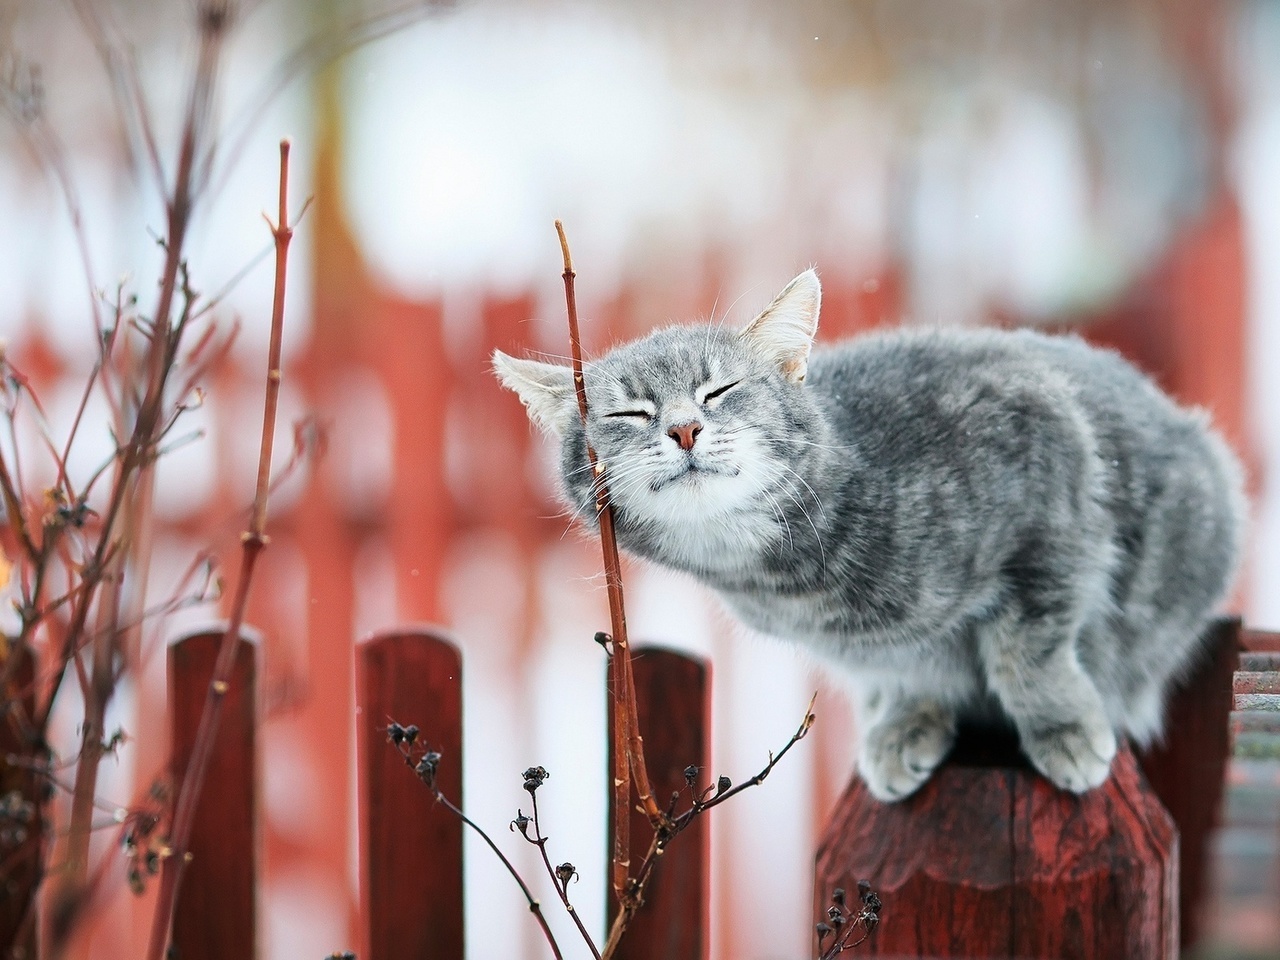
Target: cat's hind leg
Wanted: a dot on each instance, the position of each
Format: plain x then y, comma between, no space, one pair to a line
904,741
1032,668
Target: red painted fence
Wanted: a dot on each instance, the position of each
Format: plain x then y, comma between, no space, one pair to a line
986,861
411,848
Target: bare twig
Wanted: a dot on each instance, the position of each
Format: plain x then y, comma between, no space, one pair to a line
842,923
628,743
323,47
131,495
560,876
253,542
677,824
404,738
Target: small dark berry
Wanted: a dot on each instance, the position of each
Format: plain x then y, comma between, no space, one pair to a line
534,777
566,872
426,767
411,733
395,734
837,896
690,774
723,784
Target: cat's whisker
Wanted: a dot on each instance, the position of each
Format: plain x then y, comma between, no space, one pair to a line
822,547
813,493
778,512
810,443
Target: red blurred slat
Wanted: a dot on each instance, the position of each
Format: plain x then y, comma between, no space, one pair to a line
672,701
411,847
216,912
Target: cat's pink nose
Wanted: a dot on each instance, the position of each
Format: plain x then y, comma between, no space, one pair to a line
685,433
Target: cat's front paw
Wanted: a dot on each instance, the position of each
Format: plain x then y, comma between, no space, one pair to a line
899,755
1074,756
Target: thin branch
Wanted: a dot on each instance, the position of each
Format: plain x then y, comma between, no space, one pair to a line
17,518
796,737
403,739
323,47
675,825
534,906
560,883
628,744
132,488
844,923
125,86
89,383
254,541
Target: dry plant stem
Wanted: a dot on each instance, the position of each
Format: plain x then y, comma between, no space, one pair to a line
534,906
628,744
540,842
621,854
253,542
136,459
662,836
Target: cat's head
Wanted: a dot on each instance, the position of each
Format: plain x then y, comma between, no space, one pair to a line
692,423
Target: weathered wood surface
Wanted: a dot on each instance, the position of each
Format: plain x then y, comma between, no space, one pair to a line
990,860
1188,769
411,847
216,912
672,701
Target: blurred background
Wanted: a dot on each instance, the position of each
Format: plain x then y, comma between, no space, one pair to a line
1107,167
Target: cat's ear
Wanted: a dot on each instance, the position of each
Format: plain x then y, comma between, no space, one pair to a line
784,331
546,390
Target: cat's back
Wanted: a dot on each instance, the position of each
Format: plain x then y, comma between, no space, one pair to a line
1018,418
922,382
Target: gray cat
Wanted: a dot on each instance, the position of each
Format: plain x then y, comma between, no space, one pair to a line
970,524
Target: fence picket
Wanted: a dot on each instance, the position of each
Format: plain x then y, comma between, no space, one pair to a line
1188,769
672,700
216,912
411,847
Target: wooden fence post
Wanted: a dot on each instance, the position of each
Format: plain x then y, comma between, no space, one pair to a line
672,701
1188,770
991,860
411,847
216,912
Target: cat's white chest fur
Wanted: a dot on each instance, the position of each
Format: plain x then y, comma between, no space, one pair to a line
698,526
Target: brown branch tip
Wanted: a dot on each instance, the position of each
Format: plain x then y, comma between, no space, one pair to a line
564,249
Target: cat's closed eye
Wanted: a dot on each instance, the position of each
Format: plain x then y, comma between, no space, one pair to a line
719,392
637,414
